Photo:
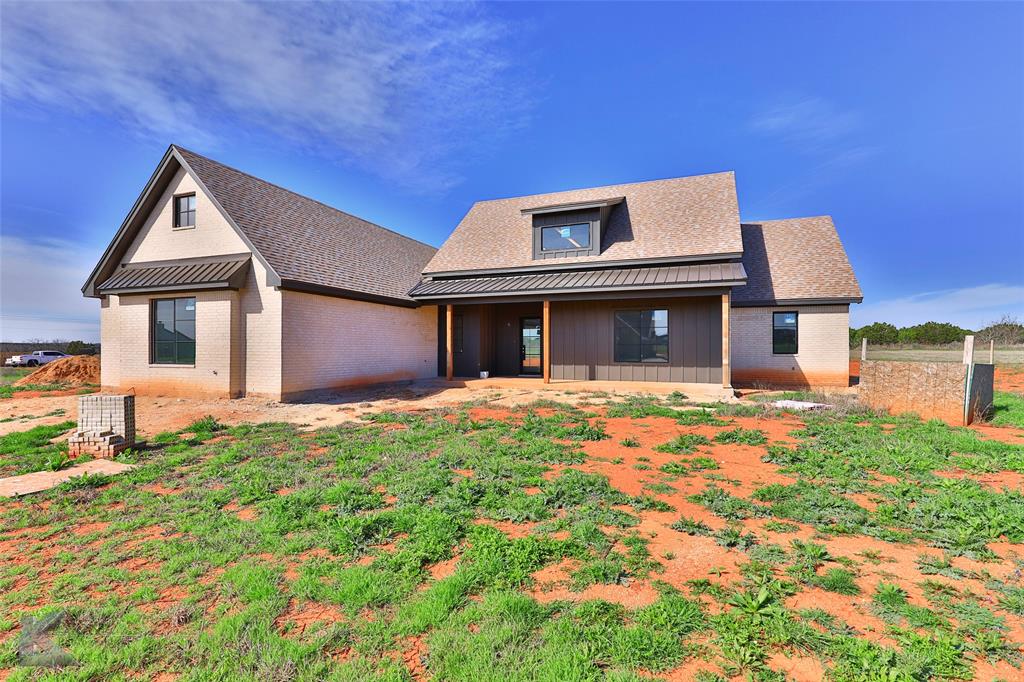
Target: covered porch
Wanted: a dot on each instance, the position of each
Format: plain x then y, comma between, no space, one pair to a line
678,339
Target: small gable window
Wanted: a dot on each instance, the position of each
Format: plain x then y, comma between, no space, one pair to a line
565,237
185,210
784,333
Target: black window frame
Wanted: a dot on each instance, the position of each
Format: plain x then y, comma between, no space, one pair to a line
583,223
187,214
154,356
642,343
458,333
796,332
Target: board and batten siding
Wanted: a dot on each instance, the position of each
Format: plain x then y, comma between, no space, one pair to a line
582,337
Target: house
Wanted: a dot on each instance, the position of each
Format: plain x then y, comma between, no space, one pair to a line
650,281
220,283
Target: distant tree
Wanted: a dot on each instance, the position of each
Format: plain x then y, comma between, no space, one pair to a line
933,334
1006,331
76,348
878,332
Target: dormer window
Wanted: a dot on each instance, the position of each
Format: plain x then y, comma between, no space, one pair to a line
569,230
185,210
565,237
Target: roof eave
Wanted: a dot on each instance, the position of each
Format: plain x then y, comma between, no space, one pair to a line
339,292
823,300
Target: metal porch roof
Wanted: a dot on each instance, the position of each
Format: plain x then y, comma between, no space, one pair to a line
228,272
584,281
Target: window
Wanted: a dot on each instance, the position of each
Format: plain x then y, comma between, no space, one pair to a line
173,332
185,210
641,336
784,336
457,334
565,237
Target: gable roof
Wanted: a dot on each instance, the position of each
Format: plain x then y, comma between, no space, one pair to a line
662,220
800,259
304,244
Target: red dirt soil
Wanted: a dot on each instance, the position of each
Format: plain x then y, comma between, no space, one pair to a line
78,370
1009,379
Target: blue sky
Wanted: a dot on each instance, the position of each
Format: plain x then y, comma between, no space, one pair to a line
905,122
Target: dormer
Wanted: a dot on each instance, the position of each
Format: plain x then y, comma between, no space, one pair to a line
570,230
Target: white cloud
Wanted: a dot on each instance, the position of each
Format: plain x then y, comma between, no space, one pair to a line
40,297
397,89
812,122
970,307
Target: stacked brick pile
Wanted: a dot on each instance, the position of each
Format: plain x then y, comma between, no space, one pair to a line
106,425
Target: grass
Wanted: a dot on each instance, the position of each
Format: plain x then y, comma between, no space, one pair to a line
423,541
23,452
1008,409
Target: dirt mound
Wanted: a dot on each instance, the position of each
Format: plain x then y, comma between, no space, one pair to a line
78,370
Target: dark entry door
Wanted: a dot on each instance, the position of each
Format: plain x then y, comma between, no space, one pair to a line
530,345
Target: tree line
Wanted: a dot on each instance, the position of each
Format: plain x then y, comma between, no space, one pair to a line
1006,331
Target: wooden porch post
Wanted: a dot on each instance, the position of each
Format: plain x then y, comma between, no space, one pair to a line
546,343
726,364
449,341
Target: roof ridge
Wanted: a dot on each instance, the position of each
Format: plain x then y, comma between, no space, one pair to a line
608,186
301,196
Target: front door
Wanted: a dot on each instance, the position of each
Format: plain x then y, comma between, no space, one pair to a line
529,346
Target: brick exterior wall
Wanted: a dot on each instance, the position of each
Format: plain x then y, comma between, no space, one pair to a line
159,240
335,343
823,357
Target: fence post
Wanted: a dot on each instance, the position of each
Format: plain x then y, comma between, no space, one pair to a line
992,351
969,349
864,349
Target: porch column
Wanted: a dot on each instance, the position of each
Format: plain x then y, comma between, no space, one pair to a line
545,328
449,341
726,370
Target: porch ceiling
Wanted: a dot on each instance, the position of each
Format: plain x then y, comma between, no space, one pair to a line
585,281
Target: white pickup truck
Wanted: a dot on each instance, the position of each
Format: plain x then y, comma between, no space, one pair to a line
35,358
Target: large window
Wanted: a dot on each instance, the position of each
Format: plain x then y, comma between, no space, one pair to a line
173,333
565,237
185,211
784,336
641,336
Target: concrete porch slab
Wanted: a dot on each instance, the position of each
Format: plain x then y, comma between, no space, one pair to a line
694,392
15,486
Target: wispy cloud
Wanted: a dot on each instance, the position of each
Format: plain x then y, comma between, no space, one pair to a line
827,136
399,89
39,291
811,122
969,307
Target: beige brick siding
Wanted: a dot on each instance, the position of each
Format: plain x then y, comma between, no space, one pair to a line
159,240
823,347
259,351
126,364
334,342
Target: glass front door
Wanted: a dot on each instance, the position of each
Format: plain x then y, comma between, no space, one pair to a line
530,346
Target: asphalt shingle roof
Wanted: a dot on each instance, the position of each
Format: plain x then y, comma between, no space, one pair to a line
799,258
677,218
310,242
